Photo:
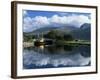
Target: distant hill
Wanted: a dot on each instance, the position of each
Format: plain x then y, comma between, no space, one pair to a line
44,30
65,29
83,33
85,26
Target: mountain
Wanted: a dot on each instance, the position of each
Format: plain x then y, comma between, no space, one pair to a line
44,29
83,33
65,29
85,26
69,27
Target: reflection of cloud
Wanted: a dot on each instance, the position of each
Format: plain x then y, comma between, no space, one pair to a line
56,60
43,21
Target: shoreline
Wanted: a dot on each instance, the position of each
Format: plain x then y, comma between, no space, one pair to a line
30,44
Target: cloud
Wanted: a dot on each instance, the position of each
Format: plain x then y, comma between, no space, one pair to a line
37,22
40,21
64,14
27,24
30,24
58,19
25,13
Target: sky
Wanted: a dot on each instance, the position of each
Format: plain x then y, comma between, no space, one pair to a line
33,20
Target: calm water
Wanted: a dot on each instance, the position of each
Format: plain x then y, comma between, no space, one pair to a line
56,56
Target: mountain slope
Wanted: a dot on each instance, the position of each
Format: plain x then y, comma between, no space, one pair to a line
83,33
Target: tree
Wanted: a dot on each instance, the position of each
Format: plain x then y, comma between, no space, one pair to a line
51,34
68,37
28,37
58,35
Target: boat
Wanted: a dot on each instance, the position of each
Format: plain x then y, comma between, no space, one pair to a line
42,41
39,42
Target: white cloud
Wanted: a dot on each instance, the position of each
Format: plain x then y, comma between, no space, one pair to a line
25,13
58,19
27,24
40,21
55,20
77,20
31,24
64,14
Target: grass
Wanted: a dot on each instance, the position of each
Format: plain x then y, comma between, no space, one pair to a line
81,42
62,42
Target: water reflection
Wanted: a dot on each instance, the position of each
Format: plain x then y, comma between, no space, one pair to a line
50,56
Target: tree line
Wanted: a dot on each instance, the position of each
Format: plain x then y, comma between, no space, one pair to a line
53,34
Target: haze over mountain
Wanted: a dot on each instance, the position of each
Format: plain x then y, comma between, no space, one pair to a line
65,29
